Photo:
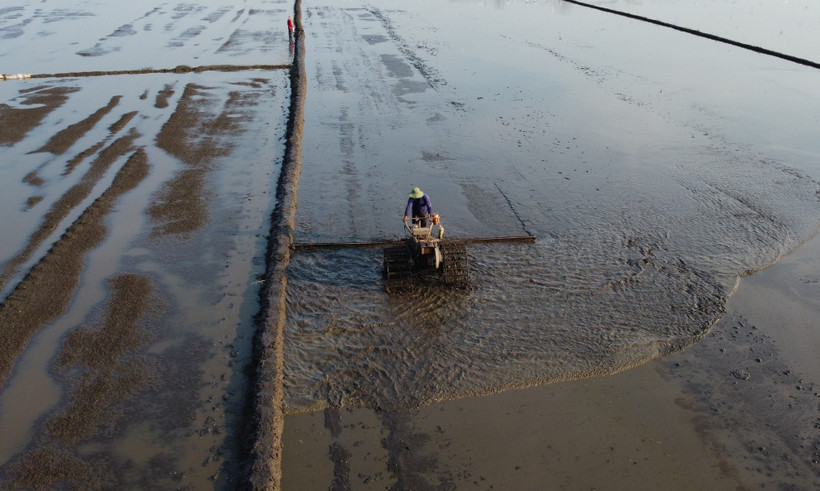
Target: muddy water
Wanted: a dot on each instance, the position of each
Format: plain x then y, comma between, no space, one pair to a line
655,168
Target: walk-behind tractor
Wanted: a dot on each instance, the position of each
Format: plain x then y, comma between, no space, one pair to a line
425,256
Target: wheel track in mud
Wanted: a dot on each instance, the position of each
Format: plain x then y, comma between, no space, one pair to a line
432,79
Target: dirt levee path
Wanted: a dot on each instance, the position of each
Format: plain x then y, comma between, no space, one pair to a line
268,390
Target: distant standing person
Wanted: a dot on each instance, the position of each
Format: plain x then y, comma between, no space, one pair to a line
419,207
290,29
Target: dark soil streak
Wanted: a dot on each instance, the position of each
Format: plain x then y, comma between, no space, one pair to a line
77,159
65,138
32,201
340,456
69,201
18,122
405,462
46,290
194,136
163,95
122,122
33,179
333,421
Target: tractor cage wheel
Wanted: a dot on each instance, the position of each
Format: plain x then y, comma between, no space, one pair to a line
398,269
455,269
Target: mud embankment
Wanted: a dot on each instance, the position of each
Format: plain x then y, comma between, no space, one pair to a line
265,408
176,69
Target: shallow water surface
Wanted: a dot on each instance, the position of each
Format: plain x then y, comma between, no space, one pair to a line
651,188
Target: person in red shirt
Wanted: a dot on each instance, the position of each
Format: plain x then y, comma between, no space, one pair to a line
290,30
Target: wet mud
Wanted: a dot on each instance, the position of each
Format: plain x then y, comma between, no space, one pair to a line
194,139
647,209
752,406
20,119
105,369
64,139
70,200
46,290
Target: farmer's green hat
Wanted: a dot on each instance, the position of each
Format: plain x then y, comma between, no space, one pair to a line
416,193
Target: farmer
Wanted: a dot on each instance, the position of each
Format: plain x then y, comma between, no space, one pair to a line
420,206
290,30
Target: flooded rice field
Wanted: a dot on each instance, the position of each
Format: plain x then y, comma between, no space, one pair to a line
655,168
135,216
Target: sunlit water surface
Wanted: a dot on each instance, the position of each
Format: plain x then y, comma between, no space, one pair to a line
656,168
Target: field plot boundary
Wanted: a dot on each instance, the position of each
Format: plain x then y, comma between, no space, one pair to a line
706,35
145,71
266,397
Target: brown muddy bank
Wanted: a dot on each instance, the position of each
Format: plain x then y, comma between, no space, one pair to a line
266,416
176,69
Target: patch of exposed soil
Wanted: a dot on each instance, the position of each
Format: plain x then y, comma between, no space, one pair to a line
59,143
18,121
105,371
77,159
32,201
122,122
163,95
47,289
195,136
99,353
752,407
70,200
